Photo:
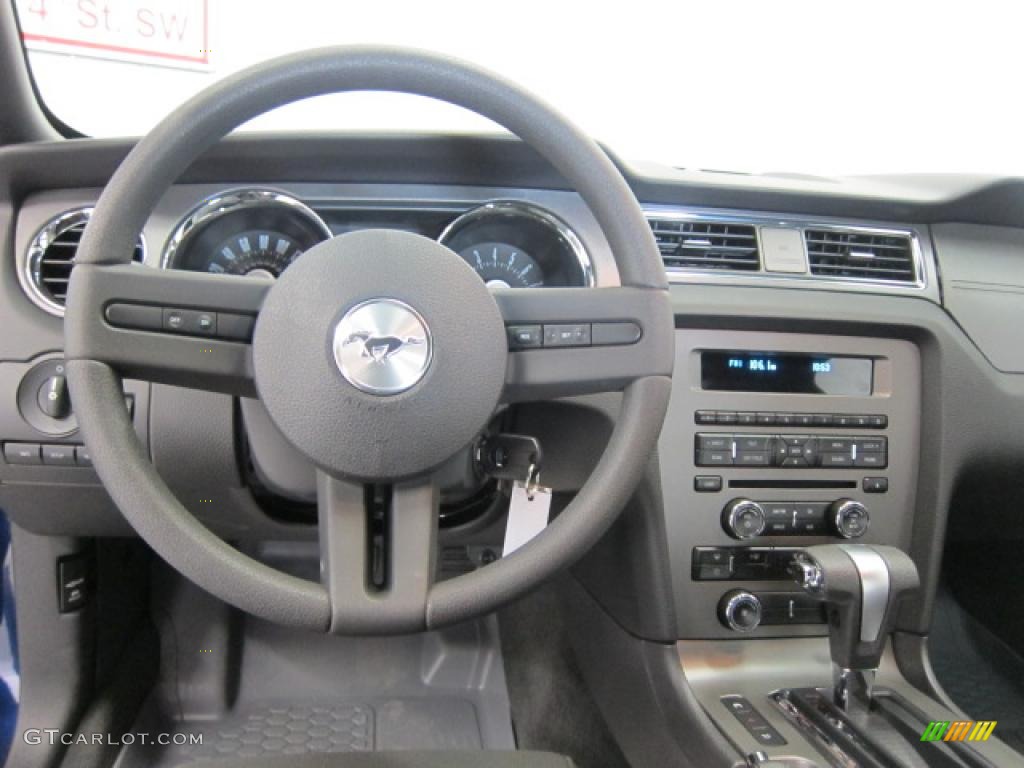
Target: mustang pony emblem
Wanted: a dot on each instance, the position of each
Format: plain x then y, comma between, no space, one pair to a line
380,348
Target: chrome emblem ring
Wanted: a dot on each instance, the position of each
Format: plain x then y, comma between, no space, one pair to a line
382,346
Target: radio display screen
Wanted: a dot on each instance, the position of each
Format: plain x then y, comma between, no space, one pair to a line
786,372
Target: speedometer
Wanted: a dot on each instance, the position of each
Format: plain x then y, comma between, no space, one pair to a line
254,232
501,265
513,244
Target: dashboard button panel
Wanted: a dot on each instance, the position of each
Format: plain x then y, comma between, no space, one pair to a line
785,419
51,455
25,454
753,721
790,451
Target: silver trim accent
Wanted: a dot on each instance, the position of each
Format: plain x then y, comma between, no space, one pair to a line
530,210
226,202
730,519
833,752
401,359
730,608
923,265
853,689
810,575
874,584
841,509
29,275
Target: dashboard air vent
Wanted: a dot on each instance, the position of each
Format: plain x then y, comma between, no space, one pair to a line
861,256
707,245
51,258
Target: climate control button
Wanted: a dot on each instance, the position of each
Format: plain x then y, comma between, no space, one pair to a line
848,518
740,610
743,519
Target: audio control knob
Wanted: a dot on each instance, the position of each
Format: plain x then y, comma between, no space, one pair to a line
743,519
740,610
848,518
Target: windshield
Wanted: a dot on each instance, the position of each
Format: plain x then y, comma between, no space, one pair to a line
836,88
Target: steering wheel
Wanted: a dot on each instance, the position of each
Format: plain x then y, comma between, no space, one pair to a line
378,354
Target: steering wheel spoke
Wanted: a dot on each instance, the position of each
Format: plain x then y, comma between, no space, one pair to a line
574,341
378,548
184,328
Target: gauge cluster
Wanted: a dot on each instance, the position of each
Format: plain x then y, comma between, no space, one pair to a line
260,232
250,232
518,245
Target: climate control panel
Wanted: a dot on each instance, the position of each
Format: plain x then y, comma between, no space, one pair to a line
747,519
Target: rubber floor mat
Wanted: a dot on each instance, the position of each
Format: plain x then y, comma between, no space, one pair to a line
278,729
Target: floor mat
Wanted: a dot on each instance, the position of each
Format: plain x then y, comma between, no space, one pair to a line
978,670
288,728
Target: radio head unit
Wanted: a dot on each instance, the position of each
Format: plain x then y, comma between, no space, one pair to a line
786,372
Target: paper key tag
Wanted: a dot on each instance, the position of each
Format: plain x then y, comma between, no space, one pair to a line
526,516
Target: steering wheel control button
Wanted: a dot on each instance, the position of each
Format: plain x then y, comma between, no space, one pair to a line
235,327
26,454
135,316
382,347
525,336
190,322
743,519
59,455
614,334
574,335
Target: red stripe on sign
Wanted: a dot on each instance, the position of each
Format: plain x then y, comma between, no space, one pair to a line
204,59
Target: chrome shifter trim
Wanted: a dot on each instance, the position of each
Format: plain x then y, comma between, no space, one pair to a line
874,580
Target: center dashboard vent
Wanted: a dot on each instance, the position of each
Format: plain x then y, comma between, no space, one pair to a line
51,257
715,246
861,256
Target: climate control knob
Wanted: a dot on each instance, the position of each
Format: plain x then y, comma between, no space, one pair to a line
743,519
848,519
740,610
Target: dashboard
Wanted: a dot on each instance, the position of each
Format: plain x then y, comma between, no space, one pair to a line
844,349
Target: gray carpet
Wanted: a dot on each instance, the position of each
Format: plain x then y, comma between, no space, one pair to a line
551,707
979,671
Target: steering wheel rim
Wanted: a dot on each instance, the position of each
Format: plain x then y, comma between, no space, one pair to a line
99,354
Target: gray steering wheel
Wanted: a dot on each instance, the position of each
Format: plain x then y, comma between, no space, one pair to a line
348,298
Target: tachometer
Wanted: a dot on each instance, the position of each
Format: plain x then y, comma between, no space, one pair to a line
255,252
256,232
501,265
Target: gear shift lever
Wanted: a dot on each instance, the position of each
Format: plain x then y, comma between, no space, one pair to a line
861,586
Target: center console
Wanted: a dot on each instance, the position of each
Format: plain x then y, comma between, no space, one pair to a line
775,442
789,465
